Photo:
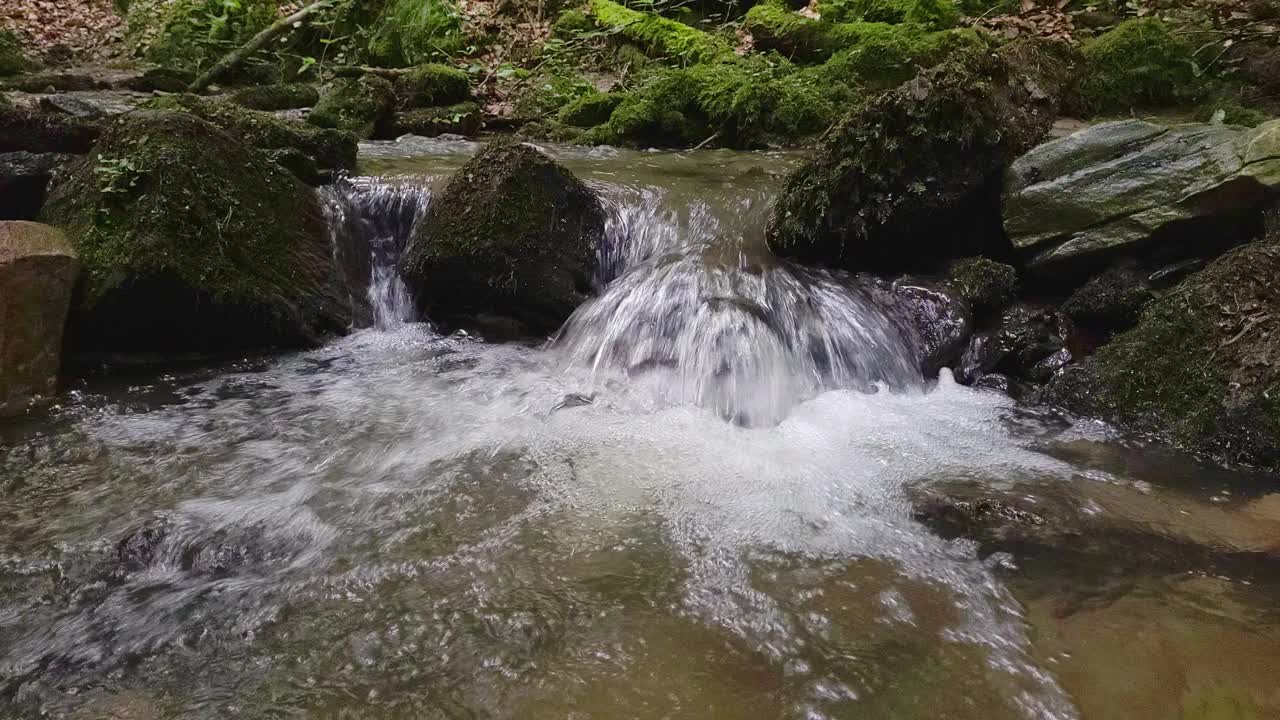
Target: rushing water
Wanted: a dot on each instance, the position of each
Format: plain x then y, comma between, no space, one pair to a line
696,501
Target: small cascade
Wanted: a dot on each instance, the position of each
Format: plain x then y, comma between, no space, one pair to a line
371,220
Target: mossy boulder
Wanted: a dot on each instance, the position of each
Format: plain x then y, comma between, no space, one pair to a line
590,110
38,270
936,14
430,85
281,96
324,150
13,59
359,105
1139,190
1110,302
1201,367
23,129
985,284
508,246
911,179
193,240
1139,64
462,118
660,36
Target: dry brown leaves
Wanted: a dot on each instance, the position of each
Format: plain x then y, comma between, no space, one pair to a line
78,28
1035,19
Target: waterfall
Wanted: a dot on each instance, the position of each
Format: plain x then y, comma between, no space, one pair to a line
370,222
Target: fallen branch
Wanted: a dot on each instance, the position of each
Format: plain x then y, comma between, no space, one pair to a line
256,43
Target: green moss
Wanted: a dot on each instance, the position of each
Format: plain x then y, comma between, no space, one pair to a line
330,149
590,110
192,34
411,32
935,14
355,105
1233,112
660,36
462,118
572,24
170,204
432,84
12,58
742,104
276,97
552,88
985,284
1138,64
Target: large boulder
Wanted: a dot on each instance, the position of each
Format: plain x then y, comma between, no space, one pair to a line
193,240
1202,366
509,245
38,270
911,179
1140,190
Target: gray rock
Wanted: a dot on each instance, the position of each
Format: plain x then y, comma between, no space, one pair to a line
38,269
69,105
1133,188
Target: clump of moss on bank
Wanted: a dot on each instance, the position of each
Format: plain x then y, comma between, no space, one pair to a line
1138,64
935,14
985,284
432,84
659,36
590,110
191,238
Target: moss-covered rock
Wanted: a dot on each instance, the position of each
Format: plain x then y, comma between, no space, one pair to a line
24,129
660,36
936,14
13,59
512,237
735,104
1200,367
170,80
283,96
327,149
1138,64
590,110
912,179
359,106
192,239
432,84
462,118
985,284
1110,302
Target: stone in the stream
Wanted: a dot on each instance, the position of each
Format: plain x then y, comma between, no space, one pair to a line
911,179
508,246
461,119
1137,189
24,129
1202,366
360,106
1029,343
1109,302
432,85
936,321
193,240
38,269
985,284
24,178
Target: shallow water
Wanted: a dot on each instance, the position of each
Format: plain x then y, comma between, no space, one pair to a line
697,501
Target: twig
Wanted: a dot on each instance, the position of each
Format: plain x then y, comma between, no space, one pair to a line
256,43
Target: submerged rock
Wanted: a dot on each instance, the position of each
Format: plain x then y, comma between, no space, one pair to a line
910,180
38,269
193,240
1202,366
1137,189
512,238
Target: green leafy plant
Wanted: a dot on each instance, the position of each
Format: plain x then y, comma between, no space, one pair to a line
116,176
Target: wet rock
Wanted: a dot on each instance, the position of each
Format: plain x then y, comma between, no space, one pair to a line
460,119
138,550
24,178
985,284
24,129
1030,343
513,235
910,179
68,105
1202,366
937,321
360,106
193,240
38,270
1140,190
1109,302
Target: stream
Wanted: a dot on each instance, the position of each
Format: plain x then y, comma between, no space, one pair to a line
699,500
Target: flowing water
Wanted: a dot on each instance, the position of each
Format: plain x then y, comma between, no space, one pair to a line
699,500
